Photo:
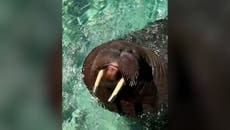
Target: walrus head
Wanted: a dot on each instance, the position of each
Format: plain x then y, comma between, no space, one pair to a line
118,71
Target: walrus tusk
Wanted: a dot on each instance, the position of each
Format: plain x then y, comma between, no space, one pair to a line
98,79
116,90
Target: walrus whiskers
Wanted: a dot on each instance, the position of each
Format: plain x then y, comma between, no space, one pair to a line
116,90
98,79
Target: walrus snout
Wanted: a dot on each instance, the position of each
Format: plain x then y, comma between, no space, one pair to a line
110,74
107,76
124,70
117,64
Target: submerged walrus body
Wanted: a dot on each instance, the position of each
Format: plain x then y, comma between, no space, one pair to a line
126,78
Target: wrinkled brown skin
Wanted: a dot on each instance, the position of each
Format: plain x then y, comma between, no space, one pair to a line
137,64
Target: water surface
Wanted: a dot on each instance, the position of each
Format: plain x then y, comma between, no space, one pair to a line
87,24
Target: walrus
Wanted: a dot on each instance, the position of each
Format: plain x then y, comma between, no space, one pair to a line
125,77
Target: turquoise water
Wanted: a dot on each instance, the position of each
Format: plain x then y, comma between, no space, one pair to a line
87,24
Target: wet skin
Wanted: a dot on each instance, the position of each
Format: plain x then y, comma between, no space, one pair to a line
145,82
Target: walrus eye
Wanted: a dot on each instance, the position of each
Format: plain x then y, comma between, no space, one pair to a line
116,90
98,79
